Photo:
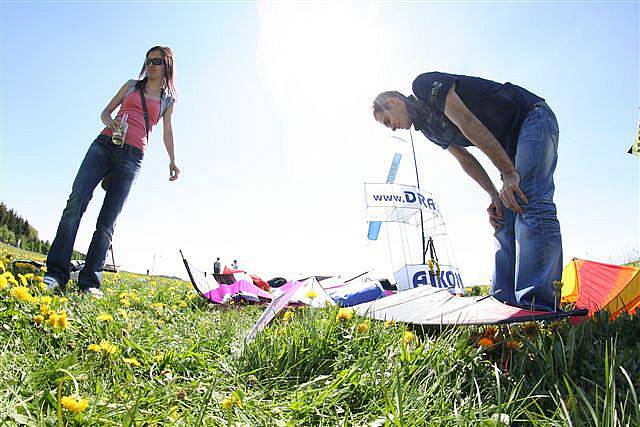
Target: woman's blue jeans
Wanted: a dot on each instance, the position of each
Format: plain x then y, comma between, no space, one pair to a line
102,158
529,246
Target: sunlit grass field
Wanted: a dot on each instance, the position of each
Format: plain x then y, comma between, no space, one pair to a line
152,353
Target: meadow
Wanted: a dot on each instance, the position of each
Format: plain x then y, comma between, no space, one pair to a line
152,352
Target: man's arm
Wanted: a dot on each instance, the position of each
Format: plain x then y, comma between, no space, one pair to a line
474,169
481,137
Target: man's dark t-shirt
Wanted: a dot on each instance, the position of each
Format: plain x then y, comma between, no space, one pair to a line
502,108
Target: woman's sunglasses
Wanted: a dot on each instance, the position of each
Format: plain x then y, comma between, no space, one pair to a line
155,61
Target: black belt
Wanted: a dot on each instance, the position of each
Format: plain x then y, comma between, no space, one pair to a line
107,140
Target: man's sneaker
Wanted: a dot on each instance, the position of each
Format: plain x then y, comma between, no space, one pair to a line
52,284
94,292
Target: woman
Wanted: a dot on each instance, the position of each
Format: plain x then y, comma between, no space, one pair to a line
115,161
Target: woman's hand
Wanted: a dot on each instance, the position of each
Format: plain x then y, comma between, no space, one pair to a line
511,189
115,124
174,172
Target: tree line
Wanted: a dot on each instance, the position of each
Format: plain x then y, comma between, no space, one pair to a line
17,231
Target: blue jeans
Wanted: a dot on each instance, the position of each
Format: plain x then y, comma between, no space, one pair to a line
529,246
101,159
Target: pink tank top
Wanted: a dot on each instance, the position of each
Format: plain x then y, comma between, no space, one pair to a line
132,105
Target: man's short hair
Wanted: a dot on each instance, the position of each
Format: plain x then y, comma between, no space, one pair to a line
381,103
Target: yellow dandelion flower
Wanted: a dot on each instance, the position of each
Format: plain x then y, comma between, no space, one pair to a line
73,404
311,294
125,302
105,317
2,266
42,286
108,347
21,293
226,403
3,283
389,323
344,314
10,278
45,309
409,338
23,280
38,319
131,361
29,276
94,347
43,268
288,316
182,304
122,313
362,327
46,299
58,320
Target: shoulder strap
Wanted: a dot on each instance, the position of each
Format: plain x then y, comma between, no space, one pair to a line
145,110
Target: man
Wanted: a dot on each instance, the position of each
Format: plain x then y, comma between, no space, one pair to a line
217,266
234,264
519,133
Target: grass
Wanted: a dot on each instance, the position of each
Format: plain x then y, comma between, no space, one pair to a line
153,353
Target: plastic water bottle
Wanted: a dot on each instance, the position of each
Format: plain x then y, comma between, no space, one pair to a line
119,133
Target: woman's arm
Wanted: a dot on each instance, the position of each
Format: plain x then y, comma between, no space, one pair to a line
167,136
105,116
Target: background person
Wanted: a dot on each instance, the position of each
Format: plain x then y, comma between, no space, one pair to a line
155,93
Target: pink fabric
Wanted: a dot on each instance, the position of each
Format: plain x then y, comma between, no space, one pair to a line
241,287
290,286
136,132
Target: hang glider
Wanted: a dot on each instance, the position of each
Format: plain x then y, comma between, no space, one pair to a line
436,307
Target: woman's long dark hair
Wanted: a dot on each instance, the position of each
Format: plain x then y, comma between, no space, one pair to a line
167,55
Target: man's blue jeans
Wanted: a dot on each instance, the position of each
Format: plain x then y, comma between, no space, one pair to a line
529,245
101,159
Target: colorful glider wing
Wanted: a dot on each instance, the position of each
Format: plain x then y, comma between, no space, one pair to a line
430,306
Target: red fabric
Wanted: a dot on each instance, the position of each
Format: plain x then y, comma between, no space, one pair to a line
256,280
596,281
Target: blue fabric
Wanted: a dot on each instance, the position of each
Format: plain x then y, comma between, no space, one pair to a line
529,245
101,159
502,108
355,294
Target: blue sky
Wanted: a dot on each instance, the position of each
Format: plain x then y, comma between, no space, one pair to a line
274,133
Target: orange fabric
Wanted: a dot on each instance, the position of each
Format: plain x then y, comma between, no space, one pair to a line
602,286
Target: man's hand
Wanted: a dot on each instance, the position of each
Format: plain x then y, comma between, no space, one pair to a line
495,212
511,189
174,172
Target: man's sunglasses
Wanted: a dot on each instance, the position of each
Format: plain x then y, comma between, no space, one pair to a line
155,61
